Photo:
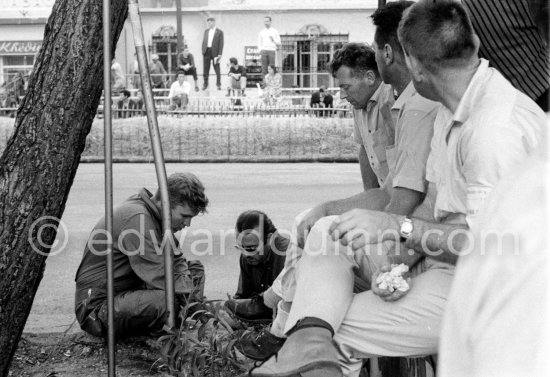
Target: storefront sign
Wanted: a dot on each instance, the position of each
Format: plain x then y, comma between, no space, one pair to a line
251,55
20,47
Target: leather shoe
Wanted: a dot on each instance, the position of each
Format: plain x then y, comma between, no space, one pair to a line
259,346
308,352
250,310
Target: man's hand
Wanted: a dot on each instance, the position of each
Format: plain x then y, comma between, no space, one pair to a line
307,223
386,294
360,227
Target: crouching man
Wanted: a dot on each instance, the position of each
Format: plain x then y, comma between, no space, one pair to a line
263,251
138,262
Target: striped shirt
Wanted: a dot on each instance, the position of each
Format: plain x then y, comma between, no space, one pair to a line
511,42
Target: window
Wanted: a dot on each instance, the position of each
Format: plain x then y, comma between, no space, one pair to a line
165,45
14,64
305,58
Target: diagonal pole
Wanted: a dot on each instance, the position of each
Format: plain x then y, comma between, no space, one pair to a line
108,183
139,41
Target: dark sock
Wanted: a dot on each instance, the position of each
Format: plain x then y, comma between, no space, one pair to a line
311,322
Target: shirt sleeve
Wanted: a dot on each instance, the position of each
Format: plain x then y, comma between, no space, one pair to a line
243,290
487,157
141,242
172,91
412,150
277,37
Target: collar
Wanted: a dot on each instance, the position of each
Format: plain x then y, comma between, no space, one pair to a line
469,98
146,196
212,29
404,97
375,98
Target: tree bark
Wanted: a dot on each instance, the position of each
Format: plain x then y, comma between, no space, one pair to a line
39,163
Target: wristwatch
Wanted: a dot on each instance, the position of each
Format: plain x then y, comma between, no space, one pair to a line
406,229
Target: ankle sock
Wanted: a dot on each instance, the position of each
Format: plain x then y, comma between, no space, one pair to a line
311,322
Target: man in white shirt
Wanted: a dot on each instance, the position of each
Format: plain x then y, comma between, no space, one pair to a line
268,40
179,92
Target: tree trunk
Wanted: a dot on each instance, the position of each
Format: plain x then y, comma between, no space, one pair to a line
39,163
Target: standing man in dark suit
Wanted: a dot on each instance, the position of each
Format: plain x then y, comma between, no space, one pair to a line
212,48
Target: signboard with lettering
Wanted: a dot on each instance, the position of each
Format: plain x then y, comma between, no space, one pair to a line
20,47
253,64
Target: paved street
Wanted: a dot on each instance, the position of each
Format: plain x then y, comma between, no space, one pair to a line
281,190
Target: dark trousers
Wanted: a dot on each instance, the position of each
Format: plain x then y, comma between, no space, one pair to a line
193,72
207,58
268,58
136,312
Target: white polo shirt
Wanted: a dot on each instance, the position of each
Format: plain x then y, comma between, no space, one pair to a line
495,128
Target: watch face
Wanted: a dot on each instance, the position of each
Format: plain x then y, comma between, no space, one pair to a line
406,227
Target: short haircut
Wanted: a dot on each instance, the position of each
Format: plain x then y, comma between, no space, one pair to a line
180,72
210,19
273,68
359,57
252,219
125,93
386,19
186,188
438,34
268,17
233,61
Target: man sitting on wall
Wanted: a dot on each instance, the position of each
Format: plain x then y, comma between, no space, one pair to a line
237,73
263,250
138,261
179,92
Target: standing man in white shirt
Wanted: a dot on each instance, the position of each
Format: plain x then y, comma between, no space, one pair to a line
268,40
212,49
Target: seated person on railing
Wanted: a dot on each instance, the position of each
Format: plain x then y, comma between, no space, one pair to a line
237,74
273,83
136,103
158,73
11,102
186,62
179,92
123,104
321,99
263,251
117,78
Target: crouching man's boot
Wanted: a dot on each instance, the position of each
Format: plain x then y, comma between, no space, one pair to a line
252,310
308,352
259,346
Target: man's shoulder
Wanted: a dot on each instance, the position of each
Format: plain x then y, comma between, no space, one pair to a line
417,103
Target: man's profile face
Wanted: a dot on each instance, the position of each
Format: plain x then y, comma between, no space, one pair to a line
181,217
251,246
267,22
355,90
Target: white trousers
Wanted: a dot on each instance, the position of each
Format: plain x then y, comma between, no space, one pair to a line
319,282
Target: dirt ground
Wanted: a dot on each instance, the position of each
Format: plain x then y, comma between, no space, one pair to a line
80,355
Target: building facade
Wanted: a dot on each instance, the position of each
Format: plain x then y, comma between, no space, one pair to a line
311,30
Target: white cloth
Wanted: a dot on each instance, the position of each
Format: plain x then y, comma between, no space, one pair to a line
177,90
268,39
211,33
494,128
496,322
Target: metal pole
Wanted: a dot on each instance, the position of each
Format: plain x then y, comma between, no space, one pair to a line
139,41
108,184
178,26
